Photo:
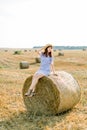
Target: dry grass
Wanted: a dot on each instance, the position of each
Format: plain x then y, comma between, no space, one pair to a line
13,114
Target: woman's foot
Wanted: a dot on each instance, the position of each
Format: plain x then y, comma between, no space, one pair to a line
28,93
32,94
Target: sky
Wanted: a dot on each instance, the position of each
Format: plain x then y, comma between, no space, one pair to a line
28,23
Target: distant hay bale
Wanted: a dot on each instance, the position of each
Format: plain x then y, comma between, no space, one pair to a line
54,94
24,65
60,54
25,50
37,59
17,52
6,50
54,50
84,49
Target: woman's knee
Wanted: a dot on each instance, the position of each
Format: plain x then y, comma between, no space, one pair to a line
38,76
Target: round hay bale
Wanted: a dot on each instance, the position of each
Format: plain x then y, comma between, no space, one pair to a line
25,50
54,94
37,59
6,50
17,52
84,49
24,65
60,54
54,50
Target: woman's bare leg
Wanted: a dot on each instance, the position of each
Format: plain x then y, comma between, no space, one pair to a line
35,79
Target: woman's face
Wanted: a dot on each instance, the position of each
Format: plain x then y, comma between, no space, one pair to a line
49,49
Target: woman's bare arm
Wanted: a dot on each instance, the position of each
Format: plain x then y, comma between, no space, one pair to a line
52,68
52,64
40,50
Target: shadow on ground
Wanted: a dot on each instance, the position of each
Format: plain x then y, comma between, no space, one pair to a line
26,122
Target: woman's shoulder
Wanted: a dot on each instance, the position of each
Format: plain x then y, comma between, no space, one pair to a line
42,54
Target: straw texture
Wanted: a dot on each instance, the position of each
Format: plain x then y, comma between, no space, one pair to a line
54,94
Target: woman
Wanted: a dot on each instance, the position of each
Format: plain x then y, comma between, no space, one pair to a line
45,68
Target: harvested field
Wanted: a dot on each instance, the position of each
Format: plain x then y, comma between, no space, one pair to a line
13,113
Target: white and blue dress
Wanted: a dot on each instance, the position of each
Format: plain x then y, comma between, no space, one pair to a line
45,65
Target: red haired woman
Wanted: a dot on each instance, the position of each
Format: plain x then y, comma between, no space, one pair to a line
46,55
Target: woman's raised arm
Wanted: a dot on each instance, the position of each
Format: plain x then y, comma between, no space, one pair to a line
40,50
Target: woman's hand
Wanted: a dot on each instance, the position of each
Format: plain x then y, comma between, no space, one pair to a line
51,50
55,74
40,50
